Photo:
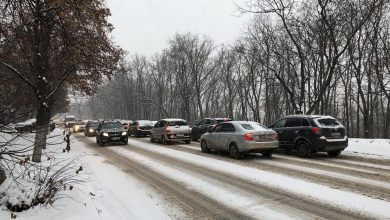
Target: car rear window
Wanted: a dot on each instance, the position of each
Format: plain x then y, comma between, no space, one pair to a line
145,123
328,122
252,126
177,123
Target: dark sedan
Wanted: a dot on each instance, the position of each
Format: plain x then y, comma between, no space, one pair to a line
204,125
140,128
90,128
108,132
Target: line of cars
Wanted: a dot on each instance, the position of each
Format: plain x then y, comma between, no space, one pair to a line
305,134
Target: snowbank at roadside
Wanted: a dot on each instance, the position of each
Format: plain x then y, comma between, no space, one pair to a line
372,148
108,193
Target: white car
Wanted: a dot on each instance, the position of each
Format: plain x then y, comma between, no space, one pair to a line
238,137
171,130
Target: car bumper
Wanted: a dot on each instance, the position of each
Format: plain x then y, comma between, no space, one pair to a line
88,133
259,146
325,145
78,130
114,139
174,137
143,132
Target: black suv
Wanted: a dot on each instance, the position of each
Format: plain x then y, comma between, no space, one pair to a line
108,132
204,125
308,134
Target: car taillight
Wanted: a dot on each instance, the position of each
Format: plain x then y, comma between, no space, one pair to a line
138,128
276,136
316,130
249,137
168,129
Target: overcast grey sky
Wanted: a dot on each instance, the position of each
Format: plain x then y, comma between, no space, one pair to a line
144,26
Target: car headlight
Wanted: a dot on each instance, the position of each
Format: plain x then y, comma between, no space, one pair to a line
124,133
105,134
76,127
91,130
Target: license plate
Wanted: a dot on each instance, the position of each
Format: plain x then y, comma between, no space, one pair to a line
335,134
115,138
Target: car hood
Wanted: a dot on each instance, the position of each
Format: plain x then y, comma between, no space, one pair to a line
113,130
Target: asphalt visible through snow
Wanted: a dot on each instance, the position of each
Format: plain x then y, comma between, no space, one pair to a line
362,176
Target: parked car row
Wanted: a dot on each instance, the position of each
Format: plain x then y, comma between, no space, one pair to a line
305,134
30,126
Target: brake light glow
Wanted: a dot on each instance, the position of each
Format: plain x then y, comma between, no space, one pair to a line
249,137
316,130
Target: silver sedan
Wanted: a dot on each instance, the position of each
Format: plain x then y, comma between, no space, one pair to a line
239,137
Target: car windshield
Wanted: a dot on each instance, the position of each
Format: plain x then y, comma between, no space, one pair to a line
253,126
328,122
94,125
70,119
110,125
145,123
177,123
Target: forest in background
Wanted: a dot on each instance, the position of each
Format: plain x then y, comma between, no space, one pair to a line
315,57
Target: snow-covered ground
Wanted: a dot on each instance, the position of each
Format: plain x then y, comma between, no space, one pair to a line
109,193
371,148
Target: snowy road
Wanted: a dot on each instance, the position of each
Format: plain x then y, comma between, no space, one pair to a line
212,186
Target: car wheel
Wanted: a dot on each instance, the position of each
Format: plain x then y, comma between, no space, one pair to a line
204,147
97,140
234,152
303,149
334,153
267,154
163,140
188,142
152,139
125,142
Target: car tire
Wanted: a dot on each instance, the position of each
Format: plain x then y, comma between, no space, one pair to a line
267,154
163,140
125,142
188,142
234,152
335,153
97,140
303,149
204,147
152,139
